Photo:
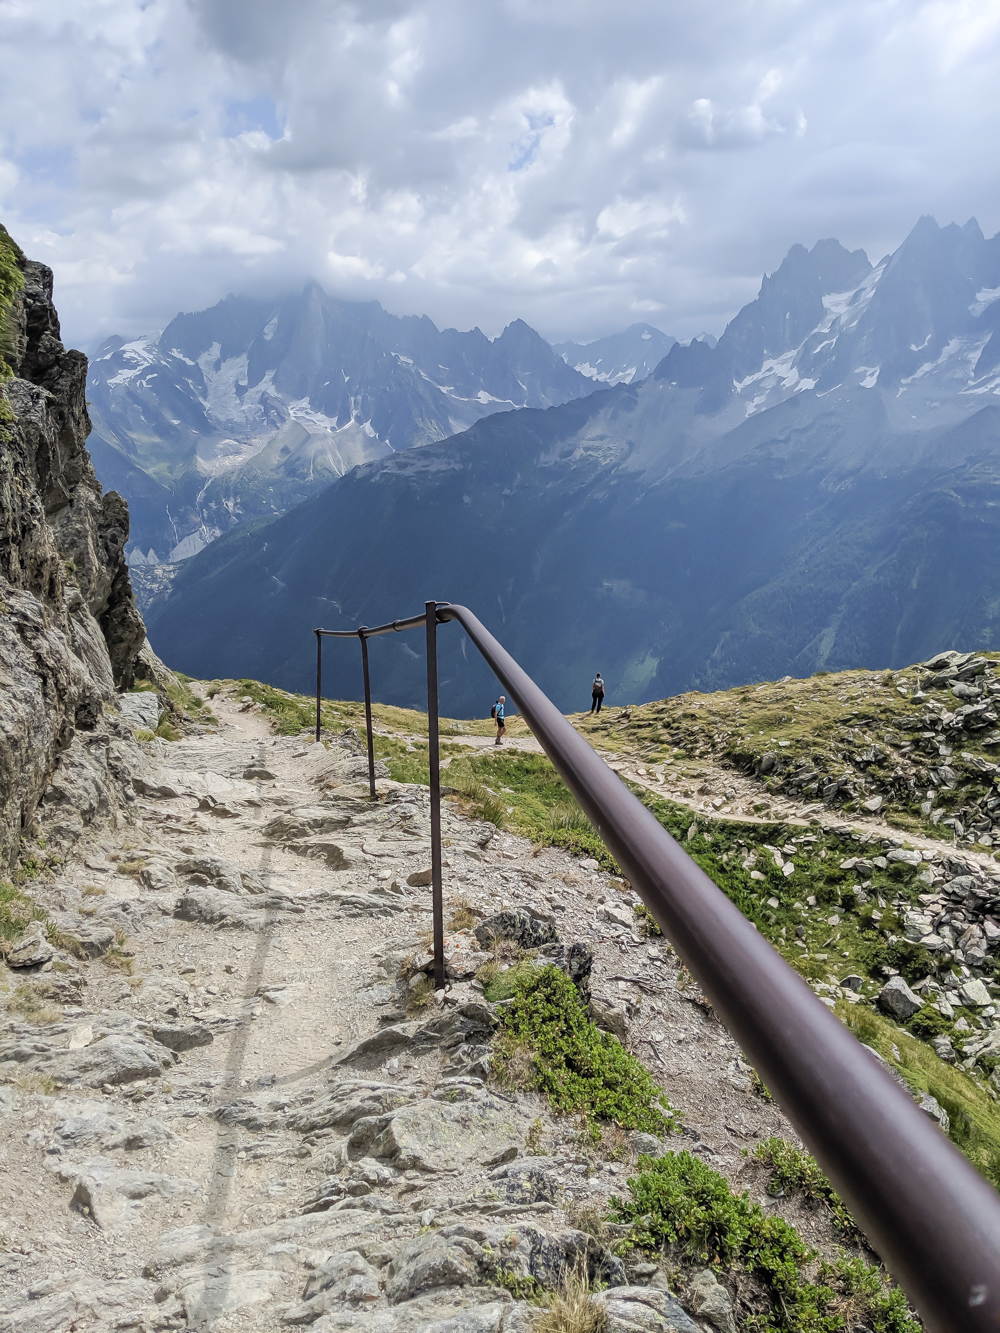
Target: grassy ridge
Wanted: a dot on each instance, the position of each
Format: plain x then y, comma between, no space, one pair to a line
839,738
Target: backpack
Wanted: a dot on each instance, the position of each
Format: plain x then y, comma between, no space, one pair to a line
493,712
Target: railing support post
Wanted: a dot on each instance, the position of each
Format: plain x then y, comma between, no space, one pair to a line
368,710
319,674
437,895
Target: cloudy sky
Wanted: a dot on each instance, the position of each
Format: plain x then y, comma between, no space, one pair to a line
577,163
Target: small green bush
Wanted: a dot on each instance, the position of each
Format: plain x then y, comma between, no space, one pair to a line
911,960
928,1023
677,1200
581,1070
792,1169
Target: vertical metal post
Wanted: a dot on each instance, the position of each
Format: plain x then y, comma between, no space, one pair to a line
319,674
437,898
368,711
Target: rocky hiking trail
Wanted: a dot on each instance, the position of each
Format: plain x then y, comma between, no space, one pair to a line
231,1115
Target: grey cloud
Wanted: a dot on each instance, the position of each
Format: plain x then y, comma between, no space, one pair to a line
581,165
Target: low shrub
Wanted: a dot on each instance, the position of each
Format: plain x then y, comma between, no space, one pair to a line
581,1070
928,1023
792,1170
676,1200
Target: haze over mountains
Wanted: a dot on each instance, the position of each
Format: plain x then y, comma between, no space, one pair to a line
819,490
243,410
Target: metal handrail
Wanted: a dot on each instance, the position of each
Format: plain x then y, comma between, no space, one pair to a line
933,1219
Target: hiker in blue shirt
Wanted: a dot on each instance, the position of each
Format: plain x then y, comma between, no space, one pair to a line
498,718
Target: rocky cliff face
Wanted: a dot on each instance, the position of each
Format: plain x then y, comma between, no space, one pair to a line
69,631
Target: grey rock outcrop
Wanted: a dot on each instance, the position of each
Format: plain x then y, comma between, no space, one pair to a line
69,630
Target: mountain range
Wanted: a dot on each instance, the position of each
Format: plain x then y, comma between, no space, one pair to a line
246,409
819,490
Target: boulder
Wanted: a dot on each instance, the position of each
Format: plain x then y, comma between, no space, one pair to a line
107,1195
609,1016
576,960
87,941
346,1276
222,874
211,907
459,1125
305,823
351,1100
644,1310
336,855
906,857
117,1059
443,1259
527,1180
364,904
177,1038
469,1061
157,876
141,710
462,955
463,1255
219,1290
30,949
517,924
932,1107
648,1145
617,914
708,1300
896,999
974,993
943,1049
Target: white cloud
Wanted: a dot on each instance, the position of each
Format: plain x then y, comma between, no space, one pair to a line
579,165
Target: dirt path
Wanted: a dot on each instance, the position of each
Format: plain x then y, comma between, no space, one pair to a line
172,1119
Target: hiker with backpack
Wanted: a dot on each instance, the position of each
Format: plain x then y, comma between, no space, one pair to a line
597,694
497,714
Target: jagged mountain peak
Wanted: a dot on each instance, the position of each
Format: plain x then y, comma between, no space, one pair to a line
620,358
920,325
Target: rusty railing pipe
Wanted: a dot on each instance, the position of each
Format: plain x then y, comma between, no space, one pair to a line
362,635
933,1219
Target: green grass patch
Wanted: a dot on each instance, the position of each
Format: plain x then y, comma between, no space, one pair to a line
678,1201
547,1041
793,1170
544,808
17,911
289,713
